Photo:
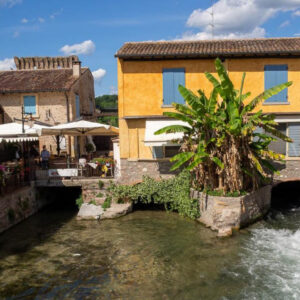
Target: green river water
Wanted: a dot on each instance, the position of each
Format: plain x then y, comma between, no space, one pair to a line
148,255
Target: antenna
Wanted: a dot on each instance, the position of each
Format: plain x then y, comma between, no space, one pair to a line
212,24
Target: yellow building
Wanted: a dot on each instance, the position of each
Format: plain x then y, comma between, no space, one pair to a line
149,74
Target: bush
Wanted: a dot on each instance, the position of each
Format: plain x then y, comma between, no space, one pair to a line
100,184
93,202
100,195
79,201
173,193
107,203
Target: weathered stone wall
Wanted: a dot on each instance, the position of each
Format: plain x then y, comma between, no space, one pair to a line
17,206
132,171
227,213
92,193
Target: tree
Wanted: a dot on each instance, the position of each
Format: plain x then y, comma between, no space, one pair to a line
221,145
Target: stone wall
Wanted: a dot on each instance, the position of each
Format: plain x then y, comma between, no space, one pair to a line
17,206
226,213
92,193
132,171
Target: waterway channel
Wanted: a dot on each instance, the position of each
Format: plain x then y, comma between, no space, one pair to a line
149,255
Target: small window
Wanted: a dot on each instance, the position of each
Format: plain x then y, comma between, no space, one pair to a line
172,78
29,105
170,151
274,75
77,106
91,106
165,151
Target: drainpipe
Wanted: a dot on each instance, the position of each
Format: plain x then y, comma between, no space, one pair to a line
69,138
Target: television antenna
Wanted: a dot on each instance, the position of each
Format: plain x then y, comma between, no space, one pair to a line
212,24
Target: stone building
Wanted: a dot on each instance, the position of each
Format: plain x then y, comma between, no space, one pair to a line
52,90
149,74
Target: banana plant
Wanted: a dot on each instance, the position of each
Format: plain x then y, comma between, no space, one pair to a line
220,142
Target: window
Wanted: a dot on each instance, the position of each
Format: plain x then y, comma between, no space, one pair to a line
274,75
77,106
171,80
91,106
279,146
29,104
165,151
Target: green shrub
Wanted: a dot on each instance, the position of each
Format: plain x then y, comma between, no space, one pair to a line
93,202
222,194
100,184
173,193
100,195
79,201
107,203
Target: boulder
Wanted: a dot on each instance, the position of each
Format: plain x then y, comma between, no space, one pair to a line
90,212
116,211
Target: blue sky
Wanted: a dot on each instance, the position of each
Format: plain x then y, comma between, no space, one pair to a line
98,28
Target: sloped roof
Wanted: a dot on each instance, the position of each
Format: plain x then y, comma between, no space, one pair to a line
50,80
210,48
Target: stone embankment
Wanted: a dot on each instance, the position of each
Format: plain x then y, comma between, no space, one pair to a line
93,196
18,206
227,213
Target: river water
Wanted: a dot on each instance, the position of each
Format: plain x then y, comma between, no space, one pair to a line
148,255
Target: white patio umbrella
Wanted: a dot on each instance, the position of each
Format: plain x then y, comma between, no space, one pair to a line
80,128
13,132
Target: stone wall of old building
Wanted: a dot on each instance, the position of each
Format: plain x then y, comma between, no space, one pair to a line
17,206
132,171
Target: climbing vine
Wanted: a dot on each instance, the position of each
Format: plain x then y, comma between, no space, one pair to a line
173,193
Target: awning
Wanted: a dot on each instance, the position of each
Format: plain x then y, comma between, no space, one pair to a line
13,132
18,139
162,139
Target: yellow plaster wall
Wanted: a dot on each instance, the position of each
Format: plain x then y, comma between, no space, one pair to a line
140,86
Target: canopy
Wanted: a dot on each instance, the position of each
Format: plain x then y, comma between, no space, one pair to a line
80,128
162,139
13,132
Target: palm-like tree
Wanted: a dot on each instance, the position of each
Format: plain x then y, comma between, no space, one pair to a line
221,145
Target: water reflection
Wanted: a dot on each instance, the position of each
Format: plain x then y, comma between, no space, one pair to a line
145,255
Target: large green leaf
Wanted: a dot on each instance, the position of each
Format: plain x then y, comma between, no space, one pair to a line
266,95
226,83
180,159
173,129
217,161
181,117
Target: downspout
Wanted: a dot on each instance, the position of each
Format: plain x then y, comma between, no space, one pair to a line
68,120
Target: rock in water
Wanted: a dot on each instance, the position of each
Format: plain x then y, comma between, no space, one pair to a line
117,210
90,211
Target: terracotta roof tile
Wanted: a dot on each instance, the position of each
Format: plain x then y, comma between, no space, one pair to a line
37,80
212,48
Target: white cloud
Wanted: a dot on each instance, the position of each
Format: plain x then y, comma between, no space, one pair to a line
16,34
9,3
98,75
296,13
41,20
55,14
86,47
284,24
7,64
24,21
236,18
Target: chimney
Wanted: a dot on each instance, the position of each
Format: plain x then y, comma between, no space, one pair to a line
76,68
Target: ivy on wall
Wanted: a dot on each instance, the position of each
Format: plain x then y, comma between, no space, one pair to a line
173,193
